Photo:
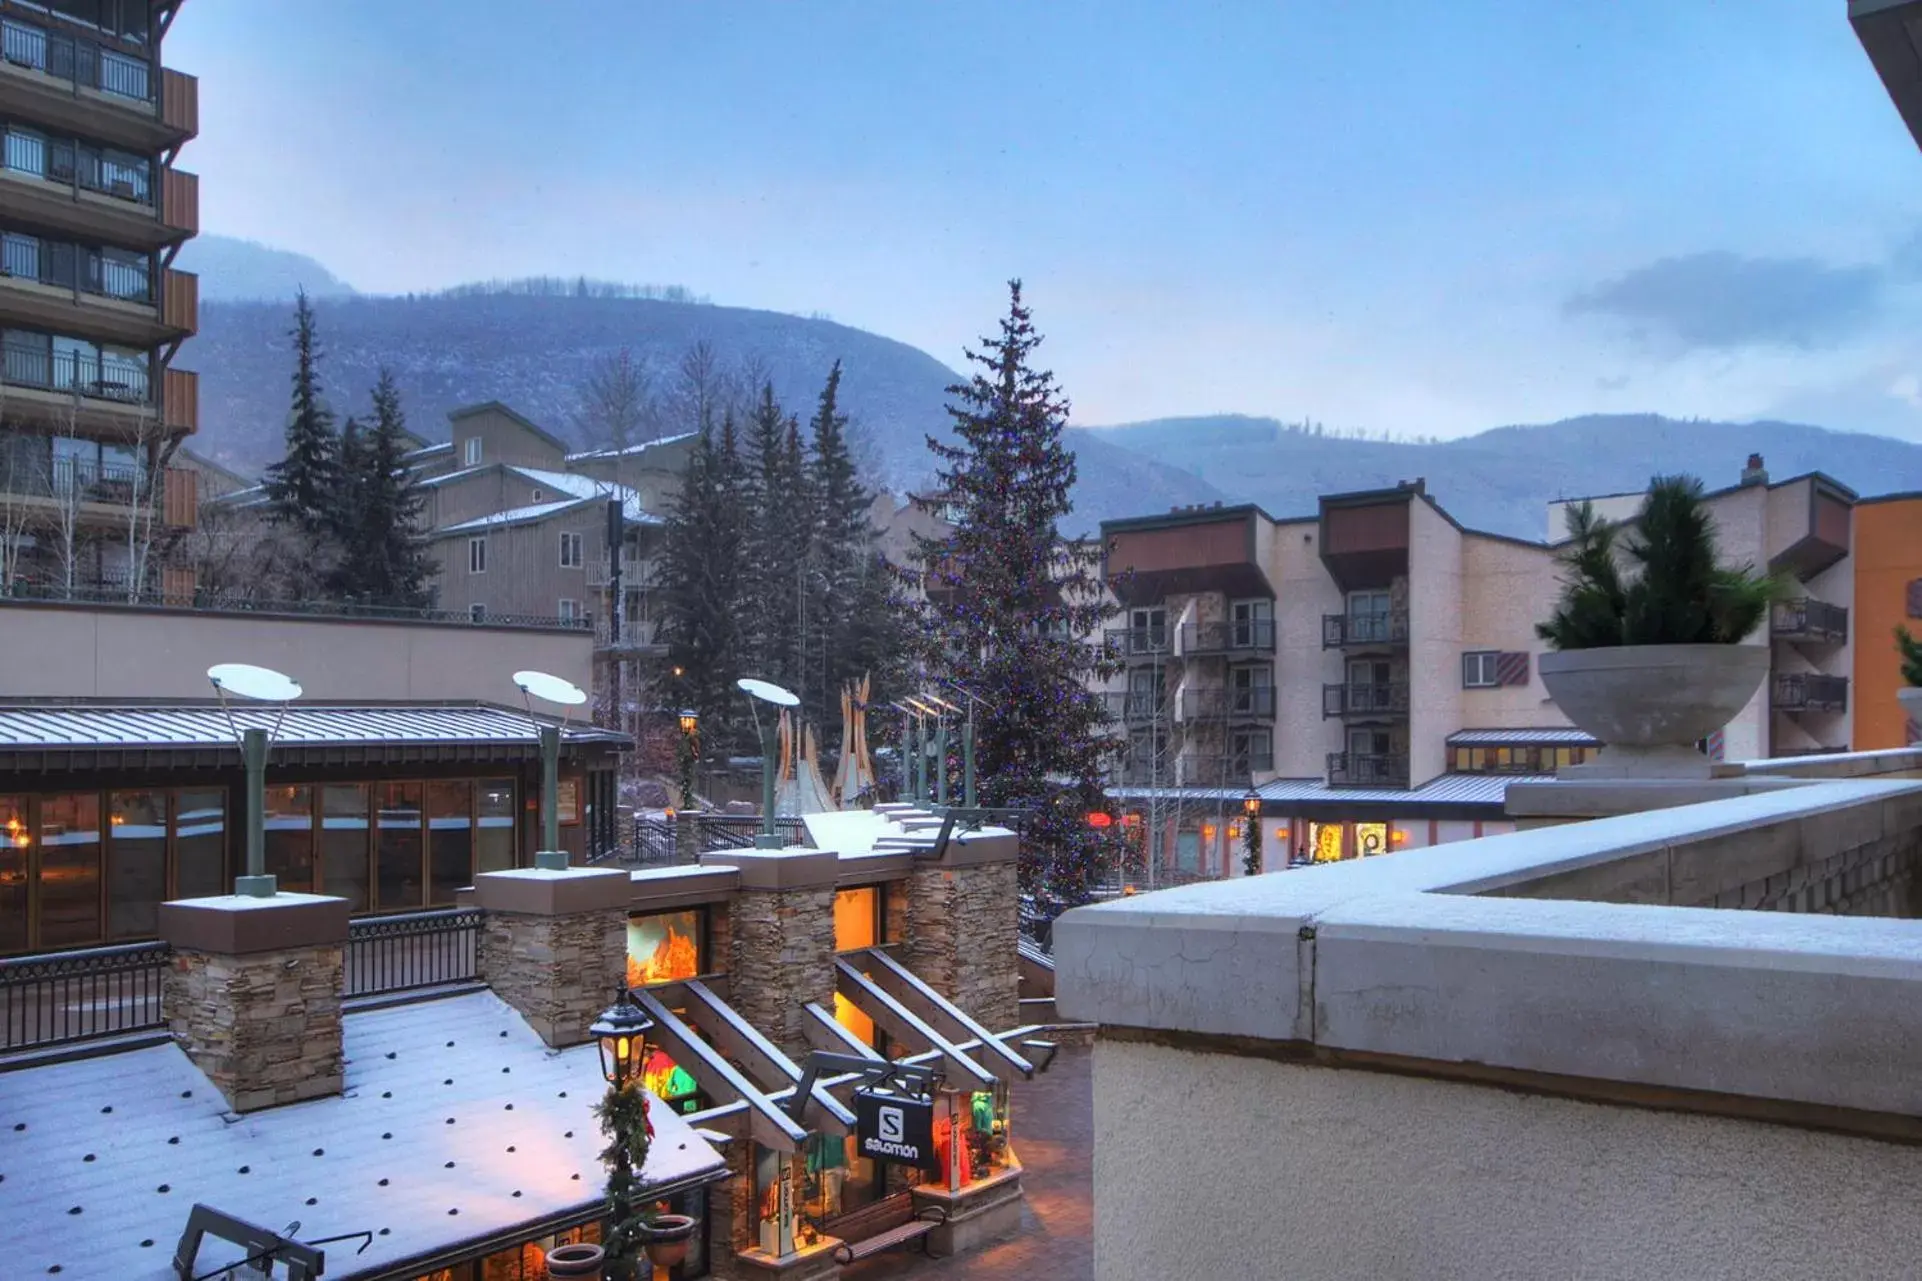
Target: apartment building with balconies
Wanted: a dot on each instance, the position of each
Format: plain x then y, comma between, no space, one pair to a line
92,312
1802,529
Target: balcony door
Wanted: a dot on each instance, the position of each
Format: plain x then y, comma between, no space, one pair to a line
1147,630
1145,690
1251,689
1253,623
1368,685
1368,756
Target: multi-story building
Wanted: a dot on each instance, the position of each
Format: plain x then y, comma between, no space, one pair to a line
1800,529
1346,666
1888,594
92,312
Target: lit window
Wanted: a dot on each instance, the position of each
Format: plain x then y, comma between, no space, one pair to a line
1478,670
477,555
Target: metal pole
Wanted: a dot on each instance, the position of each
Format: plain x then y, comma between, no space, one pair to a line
253,751
550,854
941,762
770,748
967,761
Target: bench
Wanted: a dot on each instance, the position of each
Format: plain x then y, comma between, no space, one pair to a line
883,1226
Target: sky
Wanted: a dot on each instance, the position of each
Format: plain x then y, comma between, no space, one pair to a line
1414,218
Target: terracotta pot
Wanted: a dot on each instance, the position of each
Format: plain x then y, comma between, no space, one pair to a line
575,1261
1648,704
667,1237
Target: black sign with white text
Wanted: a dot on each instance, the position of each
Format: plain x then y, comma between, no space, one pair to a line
895,1128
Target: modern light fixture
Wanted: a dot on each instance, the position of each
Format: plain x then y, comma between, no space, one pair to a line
564,694
262,685
622,1032
758,692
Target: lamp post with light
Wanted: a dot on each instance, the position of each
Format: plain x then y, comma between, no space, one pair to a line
564,694
1251,832
265,685
690,751
758,692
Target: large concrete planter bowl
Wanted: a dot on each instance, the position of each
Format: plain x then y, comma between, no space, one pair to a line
1910,696
1649,704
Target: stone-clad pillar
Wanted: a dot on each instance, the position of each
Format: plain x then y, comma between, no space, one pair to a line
253,993
963,928
554,944
781,939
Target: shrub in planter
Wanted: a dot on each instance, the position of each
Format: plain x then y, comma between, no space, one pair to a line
1911,651
1648,632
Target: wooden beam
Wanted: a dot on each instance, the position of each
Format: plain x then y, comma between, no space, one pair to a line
955,1023
824,1032
902,1023
772,1070
767,1123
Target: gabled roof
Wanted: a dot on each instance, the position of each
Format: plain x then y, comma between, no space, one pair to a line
496,407
633,450
101,1175
513,516
588,487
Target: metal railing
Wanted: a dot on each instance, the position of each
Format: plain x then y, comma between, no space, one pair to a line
737,831
1340,631
77,62
1131,706
1234,769
65,265
1231,701
1254,636
1137,642
227,604
83,373
414,950
1809,619
1365,698
76,479
74,996
1808,692
1367,769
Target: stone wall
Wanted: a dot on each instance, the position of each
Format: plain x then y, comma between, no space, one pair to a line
264,1027
559,972
781,956
1882,878
963,938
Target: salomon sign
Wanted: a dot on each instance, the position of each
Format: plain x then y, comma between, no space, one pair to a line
895,1128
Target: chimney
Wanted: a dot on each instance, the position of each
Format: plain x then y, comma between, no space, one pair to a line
1754,473
253,992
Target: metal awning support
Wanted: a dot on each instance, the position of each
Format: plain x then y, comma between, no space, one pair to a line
773,1070
768,1125
937,1011
900,1022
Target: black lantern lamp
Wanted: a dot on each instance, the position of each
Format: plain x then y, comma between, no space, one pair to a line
622,1032
690,721
1251,804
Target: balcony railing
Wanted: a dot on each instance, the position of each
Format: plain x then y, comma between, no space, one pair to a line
1256,701
1348,631
413,950
1252,636
1365,698
101,593
75,480
69,266
1133,706
636,572
74,996
1367,769
1808,692
80,63
1235,769
1808,619
83,373
1133,642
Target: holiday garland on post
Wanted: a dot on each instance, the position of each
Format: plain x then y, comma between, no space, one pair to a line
624,1120
1251,839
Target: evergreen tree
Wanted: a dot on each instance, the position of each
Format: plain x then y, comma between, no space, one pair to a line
700,584
396,566
347,515
1010,608
779,528
303,487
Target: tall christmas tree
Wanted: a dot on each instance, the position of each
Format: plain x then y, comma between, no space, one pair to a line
303,487
1011,606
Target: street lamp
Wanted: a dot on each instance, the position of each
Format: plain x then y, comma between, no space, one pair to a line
690,750
622,1030
758,692
1251,832
265,685
564,694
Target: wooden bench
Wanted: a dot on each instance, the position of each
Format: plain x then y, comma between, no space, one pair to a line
883,1226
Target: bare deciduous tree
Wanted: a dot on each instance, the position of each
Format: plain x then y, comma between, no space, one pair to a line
71,482
154,449
617,402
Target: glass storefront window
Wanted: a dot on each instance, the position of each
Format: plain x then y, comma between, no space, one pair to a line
14,844
398,842
69,880
857,918
344,852
136,863
290,837
494,843
450,838
663,947
778,1229
1325,840
1371,838
200,844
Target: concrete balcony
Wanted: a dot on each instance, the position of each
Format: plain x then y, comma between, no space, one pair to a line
58,78
90,201
1229,702
1809,621
1537,1038
62,288
1809,692
1366,700
1252,636
1137,642
1367,769
1136,707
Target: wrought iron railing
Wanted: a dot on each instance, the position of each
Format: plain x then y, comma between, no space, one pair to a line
80,372
1367,769
1231,701
1809,692
1137,642
232,604
414,950
1254,636
1365,698
1375,627
1810,620
69,266
77,62
737,831
75,996
1131,706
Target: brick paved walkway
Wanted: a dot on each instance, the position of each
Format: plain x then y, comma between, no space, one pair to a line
1053,1134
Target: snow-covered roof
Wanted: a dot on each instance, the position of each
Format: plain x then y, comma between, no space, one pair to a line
456,1125
1449,789
434,482
512,516
1566,736
589,487
632,450
426,451
97,726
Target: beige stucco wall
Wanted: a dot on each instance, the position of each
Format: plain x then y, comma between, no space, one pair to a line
1741,532
62,652
1435,640
1303,593
1506,589
1310,1173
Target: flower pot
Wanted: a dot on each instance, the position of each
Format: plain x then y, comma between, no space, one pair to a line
575,1261
1649,704
666,1238
1910,696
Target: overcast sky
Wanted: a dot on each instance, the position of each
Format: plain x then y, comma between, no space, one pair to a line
1418,217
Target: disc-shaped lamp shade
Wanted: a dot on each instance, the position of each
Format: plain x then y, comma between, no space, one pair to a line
767,692
551,689
248,681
